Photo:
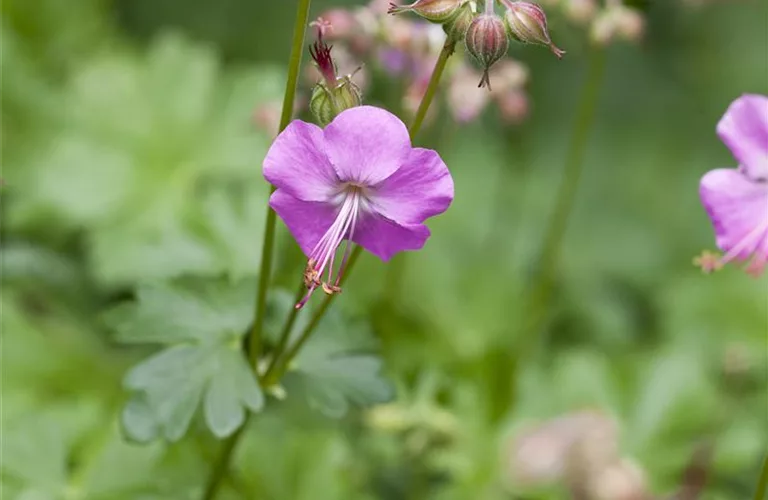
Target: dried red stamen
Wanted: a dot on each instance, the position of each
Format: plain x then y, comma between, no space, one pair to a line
321,54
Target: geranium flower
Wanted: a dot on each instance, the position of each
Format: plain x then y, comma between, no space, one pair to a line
737,199
358,180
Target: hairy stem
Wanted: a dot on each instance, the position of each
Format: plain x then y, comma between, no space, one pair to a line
268,245
574,163
762,482
253,347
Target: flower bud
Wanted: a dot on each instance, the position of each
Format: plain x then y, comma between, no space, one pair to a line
456,28
436,11
527,23
326,103
487,42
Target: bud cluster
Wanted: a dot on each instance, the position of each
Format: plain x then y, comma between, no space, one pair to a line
485,34
405,48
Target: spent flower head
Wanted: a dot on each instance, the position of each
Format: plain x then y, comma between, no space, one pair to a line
736,199
333,94
359,181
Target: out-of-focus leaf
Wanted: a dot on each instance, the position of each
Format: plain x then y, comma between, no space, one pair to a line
234,220
35,453
335,370
202,322
140,136
186,310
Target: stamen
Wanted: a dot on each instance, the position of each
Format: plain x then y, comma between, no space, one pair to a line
708,262
748,241
324,253
758,253
321,54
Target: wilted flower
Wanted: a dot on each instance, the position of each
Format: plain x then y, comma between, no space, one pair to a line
358,180
333,94
545,453
737,199
622,480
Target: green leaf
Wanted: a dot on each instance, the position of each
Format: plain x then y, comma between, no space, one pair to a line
231,388
233,218
336,371
202,322
132,185
137,420
185,310
35,453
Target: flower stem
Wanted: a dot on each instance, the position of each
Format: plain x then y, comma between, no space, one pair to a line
574,163
397,267
278,368
429,95
267,249
253,347
762,482
222,464
285,335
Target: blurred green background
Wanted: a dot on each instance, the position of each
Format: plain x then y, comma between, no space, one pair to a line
129,156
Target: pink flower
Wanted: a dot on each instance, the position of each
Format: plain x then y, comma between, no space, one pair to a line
358,180
737,199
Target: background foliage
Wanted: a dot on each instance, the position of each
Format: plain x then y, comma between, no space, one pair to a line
132,218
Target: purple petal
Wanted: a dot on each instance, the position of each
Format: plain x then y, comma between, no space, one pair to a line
422,187
306,220
296,163
744,129
384,238
366,144
738,208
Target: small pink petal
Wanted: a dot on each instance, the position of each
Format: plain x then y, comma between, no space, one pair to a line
366,144
744,129
738,208
296,162
306,220
422,187
384,238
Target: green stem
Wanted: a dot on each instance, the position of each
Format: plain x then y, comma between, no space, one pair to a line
429,95
222,464
566,195
277,369
762,482
267,249
285,335
253,348
397,267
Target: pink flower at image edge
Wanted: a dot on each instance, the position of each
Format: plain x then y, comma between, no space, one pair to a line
359,180
736,199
